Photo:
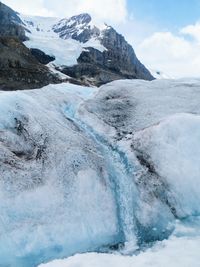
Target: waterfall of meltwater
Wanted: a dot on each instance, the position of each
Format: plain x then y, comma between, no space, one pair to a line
121,172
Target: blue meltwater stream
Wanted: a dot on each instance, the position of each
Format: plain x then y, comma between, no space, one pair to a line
121,172
121,176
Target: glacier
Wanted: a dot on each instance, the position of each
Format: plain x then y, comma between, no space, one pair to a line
41,35
114,170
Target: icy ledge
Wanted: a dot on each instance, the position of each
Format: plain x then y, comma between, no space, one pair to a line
174,252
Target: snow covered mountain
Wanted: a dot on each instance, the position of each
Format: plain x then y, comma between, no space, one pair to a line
79,49
78,27
86,52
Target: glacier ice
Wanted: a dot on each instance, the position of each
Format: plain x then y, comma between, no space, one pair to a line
172,147
85,169
121,176
181,249
165,153
49,208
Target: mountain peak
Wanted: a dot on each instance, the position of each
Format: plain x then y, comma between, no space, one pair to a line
77,20
77,27
83,18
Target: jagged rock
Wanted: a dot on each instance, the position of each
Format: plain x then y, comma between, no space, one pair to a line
41,56
19,69
10,23
95,74
121,57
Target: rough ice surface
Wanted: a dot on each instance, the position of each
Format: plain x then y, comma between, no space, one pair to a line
172,146
132,105
55,195
85,169
167,148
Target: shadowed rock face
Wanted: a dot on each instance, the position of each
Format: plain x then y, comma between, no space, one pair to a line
41,56
121,57
10,23
19,69
91,69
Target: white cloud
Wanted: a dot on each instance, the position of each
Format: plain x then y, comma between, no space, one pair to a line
135,30
193,31
175,55
111,11
34,8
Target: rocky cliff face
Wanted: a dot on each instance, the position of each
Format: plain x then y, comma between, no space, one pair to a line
121,57
19,69
10,23
117,61
19,66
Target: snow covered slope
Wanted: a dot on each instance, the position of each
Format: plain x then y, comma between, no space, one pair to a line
42,36
95,170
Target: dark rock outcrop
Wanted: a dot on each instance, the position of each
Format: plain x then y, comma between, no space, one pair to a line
10,23
91,74
91,68
41,56
121,57
19,69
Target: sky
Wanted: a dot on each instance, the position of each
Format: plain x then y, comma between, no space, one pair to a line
164,33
